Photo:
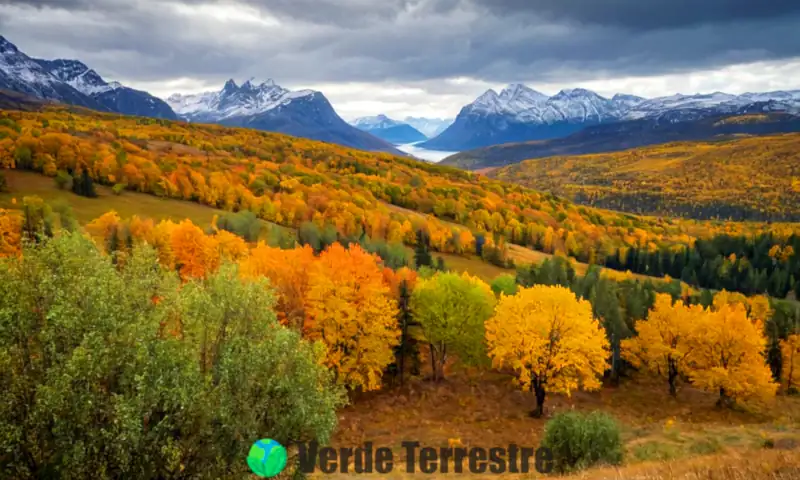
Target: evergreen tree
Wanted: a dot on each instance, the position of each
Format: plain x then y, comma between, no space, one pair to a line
422,254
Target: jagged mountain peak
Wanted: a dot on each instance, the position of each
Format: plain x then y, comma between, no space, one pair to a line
576,93
254,82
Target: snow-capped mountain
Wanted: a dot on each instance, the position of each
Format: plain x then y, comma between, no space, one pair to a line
264,105
112,95
393,131
251,98
72,82
430,127
23,74
519,113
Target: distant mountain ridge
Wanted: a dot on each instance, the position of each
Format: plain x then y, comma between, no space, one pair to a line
265,105
72,82
430,127
761,118
255,104
393,131
519,113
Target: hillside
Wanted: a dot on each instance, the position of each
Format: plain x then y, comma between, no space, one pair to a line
754,178
625,135
290,182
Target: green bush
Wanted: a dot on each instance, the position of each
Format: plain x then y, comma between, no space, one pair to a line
63,180
580,440
98,380
505,284
118,188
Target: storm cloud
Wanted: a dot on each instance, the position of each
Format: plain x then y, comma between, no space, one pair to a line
415,43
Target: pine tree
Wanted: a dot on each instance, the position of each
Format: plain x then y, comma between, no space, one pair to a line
422,254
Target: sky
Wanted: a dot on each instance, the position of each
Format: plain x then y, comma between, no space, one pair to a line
420,57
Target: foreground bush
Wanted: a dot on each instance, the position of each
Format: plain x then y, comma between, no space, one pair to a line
580,440
119,371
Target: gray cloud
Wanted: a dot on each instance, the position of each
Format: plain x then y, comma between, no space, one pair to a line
402,41
649,14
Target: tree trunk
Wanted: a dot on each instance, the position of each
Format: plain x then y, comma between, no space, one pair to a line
673,375
540,394
433,362
724,401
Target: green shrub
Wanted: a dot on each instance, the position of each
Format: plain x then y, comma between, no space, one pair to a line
63,180
580,440
105,389
119,188
505,284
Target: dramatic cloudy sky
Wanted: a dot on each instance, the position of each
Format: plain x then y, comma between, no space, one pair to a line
420,57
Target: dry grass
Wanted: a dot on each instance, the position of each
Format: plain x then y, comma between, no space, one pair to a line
482,408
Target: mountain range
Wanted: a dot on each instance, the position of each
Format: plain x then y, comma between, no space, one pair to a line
259,105
624,135
72,82
393,131
521,114
264,105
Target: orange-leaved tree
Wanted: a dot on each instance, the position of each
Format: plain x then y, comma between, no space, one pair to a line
790,348
288,272
196,254
10,233
664,341
728,356
549,337
352,312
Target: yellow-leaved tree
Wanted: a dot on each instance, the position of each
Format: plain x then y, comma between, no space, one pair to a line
352,312
549,337
728,356
664,341
790,348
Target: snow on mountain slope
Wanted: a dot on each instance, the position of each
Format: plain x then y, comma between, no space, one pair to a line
21,73
430,127
264,105
393,131
78,76
251,98
377,121
72,82
519,113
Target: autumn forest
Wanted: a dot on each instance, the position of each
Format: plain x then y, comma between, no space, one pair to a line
333,289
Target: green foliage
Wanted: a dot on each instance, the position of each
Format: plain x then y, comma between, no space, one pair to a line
113,371
504,284
63,180
580,440
83,185
37,217
119,188
66,216
451,310
422,254
394,255
3,183
244,224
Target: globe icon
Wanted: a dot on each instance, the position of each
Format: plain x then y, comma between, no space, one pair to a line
267,458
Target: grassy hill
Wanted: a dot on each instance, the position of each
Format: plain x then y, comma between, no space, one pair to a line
752,178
